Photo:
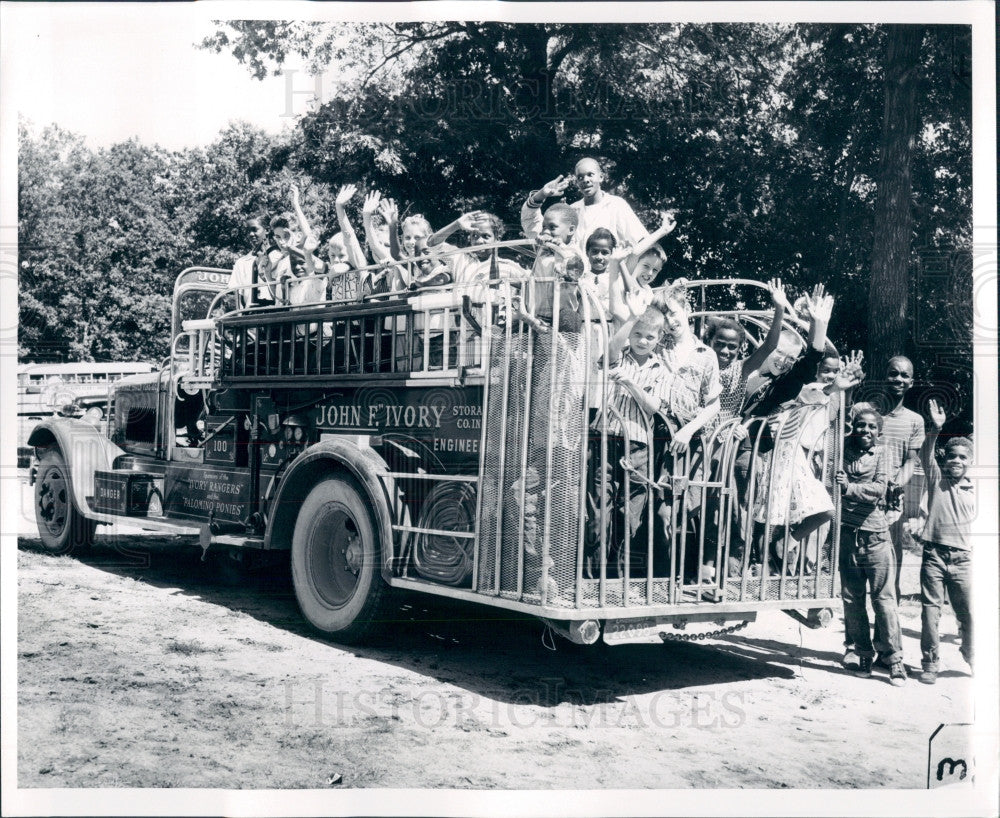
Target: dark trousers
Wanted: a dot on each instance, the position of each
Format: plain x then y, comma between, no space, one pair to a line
944,568
867,560
898,538
619,517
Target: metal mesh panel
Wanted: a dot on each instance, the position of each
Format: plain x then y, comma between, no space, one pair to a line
548,444
556,432
503,414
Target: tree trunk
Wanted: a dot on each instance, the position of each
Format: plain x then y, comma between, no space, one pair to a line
889,318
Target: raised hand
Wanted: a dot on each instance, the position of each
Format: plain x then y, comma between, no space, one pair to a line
345,195
667,221
778,296
937,414
634,302
389,211
556,187
851,373
853,362
469,221
310,243
819,306
295,195
372,200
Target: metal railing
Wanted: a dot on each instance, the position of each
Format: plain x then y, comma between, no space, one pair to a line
541,501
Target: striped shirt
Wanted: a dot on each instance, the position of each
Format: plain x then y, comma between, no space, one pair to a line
651,377
902,431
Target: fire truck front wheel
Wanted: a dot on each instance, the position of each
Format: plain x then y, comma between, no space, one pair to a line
335,561
61,526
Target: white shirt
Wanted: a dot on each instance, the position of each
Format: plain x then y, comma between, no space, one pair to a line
610,212
242,277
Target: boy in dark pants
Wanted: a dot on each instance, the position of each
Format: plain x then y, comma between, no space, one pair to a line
866,554
947,549
902,437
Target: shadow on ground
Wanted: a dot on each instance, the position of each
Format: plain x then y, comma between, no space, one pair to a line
492,652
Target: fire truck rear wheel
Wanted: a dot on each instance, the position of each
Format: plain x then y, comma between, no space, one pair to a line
335,562
61,526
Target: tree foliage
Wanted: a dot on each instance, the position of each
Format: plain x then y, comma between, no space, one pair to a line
766,139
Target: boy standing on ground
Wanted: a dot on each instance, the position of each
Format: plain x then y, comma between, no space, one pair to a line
866,555
902,437
947,547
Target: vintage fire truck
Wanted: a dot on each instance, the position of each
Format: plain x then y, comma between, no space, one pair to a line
434,441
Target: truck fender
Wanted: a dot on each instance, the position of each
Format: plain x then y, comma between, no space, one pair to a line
85,450
364,465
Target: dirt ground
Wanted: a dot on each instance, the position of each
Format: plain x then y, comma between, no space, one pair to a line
138,666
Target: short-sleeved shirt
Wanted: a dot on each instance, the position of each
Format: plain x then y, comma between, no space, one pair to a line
902,430
652,377
951,507
862,505
611,212
694,383
242,276
468,270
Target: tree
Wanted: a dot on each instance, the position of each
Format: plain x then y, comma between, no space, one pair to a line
99,247
889,290
773,143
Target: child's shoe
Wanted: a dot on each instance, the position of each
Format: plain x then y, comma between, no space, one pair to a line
897,674
928,676
864,670
850,660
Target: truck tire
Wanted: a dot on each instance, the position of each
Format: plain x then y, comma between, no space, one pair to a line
61,526
336,562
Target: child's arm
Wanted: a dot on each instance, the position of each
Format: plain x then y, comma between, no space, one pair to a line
682,438
647,402
627,257
531,210
617,343
355,255
300,217
379,250
389,211
556,247
867,491
667,224
309,260
467,222
820,307
850,375
770,342
629,282
911,454
933,428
